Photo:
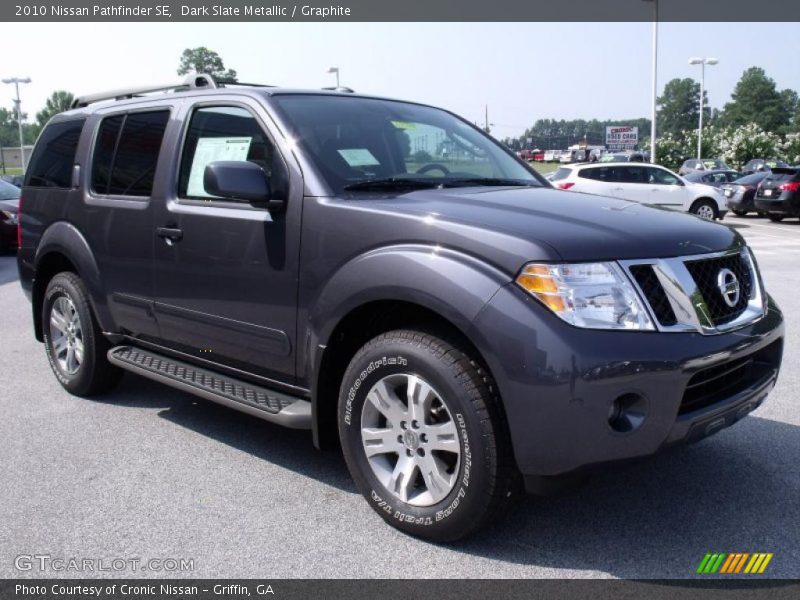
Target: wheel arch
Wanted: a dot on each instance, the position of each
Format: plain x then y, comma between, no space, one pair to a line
406,286
64,248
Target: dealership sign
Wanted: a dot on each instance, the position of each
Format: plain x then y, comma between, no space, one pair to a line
622,138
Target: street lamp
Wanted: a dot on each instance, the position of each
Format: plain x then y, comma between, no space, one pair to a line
335,70
654,91
16,81
697,60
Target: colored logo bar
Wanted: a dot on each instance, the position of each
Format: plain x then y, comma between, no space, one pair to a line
734,563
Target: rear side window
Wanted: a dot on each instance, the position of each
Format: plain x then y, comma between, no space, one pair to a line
561,174
52,161
126,153
600,173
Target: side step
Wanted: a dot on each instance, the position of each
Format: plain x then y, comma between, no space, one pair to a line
283,409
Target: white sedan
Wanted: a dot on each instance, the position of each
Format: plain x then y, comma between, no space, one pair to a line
643,183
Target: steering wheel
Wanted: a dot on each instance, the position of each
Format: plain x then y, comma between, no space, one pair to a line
423,170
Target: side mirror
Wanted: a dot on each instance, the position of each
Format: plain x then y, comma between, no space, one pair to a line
239,180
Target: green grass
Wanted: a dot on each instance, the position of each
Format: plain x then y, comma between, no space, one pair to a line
543,167
12,171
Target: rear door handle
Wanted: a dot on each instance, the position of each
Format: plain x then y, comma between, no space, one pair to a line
169,234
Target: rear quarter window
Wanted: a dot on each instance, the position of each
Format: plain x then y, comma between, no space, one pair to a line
561,174
54,156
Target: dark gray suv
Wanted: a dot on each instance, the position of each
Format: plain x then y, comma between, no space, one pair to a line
389,277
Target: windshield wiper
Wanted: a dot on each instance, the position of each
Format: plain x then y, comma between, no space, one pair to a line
490,181
393,183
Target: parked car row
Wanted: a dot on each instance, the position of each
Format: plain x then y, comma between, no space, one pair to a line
9,210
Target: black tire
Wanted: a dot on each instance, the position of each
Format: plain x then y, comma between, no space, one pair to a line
484,481
702,205
95,374
739,213
775,218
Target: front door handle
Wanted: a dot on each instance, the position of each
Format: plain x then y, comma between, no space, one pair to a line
170,235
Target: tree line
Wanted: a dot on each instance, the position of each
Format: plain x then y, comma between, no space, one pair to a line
756,100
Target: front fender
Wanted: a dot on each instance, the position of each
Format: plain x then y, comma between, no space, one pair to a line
450,283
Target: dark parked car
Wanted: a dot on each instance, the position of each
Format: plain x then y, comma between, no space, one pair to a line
459,327
624,157
740,195
703,164
9,207
779,194
758,165
714,178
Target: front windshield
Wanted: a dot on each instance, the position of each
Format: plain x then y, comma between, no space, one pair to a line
355,141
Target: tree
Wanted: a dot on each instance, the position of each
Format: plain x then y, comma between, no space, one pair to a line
757,100
58,102
678,107
203,60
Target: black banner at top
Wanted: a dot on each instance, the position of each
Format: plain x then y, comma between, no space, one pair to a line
398,10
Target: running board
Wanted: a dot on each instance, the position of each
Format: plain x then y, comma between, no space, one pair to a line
267,404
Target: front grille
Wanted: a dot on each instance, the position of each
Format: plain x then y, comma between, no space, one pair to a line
717,383
654,294
705,273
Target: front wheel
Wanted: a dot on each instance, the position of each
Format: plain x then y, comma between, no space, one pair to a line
739,213
424,437
774,217
704,209
75,346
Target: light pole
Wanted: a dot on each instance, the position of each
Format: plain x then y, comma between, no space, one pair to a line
16,81
698,60
654,90
335,70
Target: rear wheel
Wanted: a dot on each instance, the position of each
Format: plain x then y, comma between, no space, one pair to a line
75,346
424,437
705,209
775,218
739,213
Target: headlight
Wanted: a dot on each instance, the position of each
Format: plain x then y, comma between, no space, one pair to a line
591,295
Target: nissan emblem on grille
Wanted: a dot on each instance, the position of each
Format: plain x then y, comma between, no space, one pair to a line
728,285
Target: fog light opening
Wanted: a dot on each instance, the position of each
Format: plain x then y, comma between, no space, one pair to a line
627,413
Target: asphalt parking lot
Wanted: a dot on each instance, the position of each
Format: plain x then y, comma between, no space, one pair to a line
150,472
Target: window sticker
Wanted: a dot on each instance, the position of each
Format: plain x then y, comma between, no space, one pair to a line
358,157
212,149
404,125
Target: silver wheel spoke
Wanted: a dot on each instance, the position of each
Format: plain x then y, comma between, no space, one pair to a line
387,402
420,395
403,477
380,441
437,480
58,321
59,346
443,436
79,351
70,360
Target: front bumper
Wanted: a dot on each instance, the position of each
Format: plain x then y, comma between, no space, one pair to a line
559,383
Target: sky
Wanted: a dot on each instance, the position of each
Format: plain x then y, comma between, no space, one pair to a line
521,71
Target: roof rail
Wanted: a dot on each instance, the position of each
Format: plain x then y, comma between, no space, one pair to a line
341,88
194,81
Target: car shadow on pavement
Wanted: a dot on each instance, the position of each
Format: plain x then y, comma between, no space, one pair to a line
290,448
734,492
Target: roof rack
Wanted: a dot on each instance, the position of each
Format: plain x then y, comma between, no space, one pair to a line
194,81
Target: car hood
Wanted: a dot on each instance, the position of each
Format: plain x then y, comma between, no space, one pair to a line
563,225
